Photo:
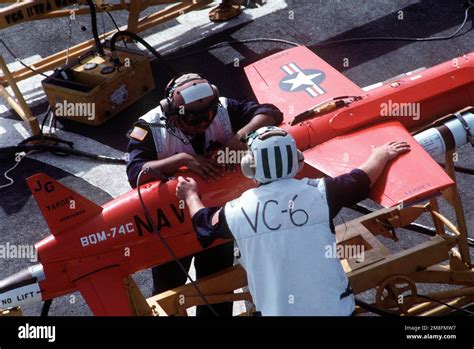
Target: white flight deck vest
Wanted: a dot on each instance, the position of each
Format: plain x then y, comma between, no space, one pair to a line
282,230
167,144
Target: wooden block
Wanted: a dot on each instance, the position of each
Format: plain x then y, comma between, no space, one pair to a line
405,262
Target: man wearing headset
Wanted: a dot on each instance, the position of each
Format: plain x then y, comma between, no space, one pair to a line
283,234
189,122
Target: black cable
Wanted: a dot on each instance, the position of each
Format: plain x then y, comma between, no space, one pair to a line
59,150
42,138
117,27
231,42
26,65
46,115
45,308
362,209
227,43
98,44
470,313
460,169
20,61
397,38
95,33
150,48
465,170
373,309
165,243
342,41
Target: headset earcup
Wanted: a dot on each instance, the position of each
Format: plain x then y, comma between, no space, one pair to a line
247,165
215,104
300,160
165,105
170,86
215,90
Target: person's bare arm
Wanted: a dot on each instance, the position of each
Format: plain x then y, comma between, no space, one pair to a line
206,221
167,166
257,121
197,163
380,156
187,190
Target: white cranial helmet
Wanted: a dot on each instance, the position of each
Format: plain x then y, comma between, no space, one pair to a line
272,155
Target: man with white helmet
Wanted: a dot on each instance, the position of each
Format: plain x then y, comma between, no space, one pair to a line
283,226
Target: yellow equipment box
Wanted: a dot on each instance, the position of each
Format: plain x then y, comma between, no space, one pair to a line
92,89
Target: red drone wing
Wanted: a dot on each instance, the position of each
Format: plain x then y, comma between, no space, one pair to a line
296,80
105,293
412,177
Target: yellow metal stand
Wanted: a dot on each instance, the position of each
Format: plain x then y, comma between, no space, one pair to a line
21,12
19,104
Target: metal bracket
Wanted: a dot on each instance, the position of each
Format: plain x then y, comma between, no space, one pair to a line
469,135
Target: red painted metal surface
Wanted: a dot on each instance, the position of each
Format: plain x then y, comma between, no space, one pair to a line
93,248
440,90
330,142
411,178
117,237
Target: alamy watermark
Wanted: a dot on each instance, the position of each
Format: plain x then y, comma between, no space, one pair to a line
395,109
75,109
37,332
335,250
230,157
13,251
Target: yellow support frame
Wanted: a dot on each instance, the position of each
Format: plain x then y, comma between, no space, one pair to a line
135,24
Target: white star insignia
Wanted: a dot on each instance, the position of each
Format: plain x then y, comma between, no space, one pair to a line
301,79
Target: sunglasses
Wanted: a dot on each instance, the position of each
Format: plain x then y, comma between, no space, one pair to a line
193,119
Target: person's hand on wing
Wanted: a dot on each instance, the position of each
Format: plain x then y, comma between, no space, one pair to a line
391,150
